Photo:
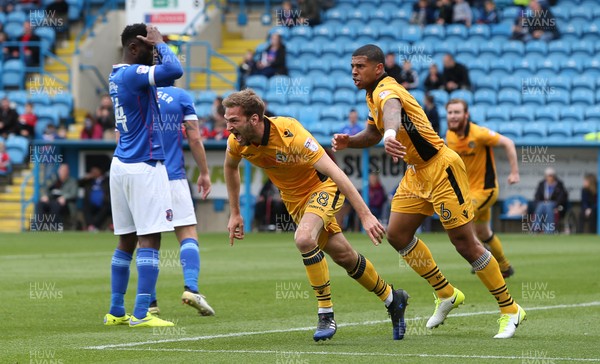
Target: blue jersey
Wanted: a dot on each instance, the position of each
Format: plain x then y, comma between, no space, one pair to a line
176,107
133,92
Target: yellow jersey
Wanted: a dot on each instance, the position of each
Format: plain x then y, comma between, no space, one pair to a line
476,151
287,154
416,134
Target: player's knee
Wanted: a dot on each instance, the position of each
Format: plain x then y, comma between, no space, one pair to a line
399,239
304,242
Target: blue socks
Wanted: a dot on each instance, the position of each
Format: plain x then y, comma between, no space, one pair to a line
119,280
147,264
189,256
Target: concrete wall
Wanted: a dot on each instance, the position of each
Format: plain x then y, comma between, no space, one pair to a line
102,51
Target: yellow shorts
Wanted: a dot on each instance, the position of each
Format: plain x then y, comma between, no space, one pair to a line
483,200
325,201
441,185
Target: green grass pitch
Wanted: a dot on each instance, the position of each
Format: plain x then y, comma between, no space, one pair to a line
55,290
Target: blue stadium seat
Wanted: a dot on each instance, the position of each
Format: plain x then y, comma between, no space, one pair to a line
521,114
509,97
383,12
443,48
582,97
479,32
571,67
309,115
536,47
334,113
13,73
497,114
513,47
469,47
401,13
511,82
287,110
293,64
583,128
47,113
440,97
344,97
18,97
531,98
323,32
557,96
47,36
552,62
560,130
477,113
462,94
367,33
456,32
502,64
592,67
501,30
411,33
534,131
578,12
546,114
581,48
389,33
485,97
312,48
583,81
528,65
305,33
592,112
485,83
419,96
434,32
490,48
275,95
336,13
559,46
332,48
321,98
557,82
571,113
510,130
591,31
360,14
572,31
17,148
320,129
477,63
203,110
40,99
16,16
319,64
284,32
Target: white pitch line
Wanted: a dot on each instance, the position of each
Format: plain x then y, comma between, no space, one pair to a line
287,354
276,331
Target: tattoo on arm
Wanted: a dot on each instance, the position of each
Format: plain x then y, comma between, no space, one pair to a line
392,114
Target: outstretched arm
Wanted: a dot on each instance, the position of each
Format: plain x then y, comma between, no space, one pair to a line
232,180
511,154
372,226
366,138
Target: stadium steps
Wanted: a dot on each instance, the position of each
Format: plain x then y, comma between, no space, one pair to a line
10,202
59,73
234,47
74,131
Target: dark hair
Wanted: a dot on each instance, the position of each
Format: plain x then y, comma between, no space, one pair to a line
458,101
131,32
248,101
430,98
372,52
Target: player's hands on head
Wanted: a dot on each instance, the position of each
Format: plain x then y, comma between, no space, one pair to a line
153,37
339,141
513,178
394,149
374,228
204,185
235,228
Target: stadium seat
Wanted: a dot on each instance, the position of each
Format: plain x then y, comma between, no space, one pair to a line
571,67
582,48
557,82
336,13
583,81
16,16
592,112
578,12
534,130
456,32
440,97
203,110
506,207
434,32
40,99
491,125
344,97
572,31
469,47
359,13
401,13
479,32
580,129
419,96
321,98
501,64
334,113
276,96
582,97
344,83
546,114
47,113
485,97
411,33
497,114
556,96
462,94
560,130
323,83
552,63
477,113
509,97
389,33
490,48
591,31
293,64
501,30
485,82
536,47
571,113
17,148
310,115
510,130
47,36
511,82
320,129
513,47
521,114
528,64
18,97
302,33
532,97
367,33
559,46
13,73
383,12
284,32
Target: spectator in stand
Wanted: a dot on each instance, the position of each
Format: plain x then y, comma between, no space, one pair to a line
50,133
247,68
589,205
434,79
551,199
57,197
540,23
445,12
432,113
8,7
96,201
28,5
105,114
455,75
270,211
377,195
272,61
27,122
217,122
5,167
5,50
286,16
9,119
391,67
408,76
489,14
310,12
423,13
461,13
58,11
352,128
61,132
91,128
31,53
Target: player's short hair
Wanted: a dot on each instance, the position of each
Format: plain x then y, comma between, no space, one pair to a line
458,101
372,52
248,100
131,32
